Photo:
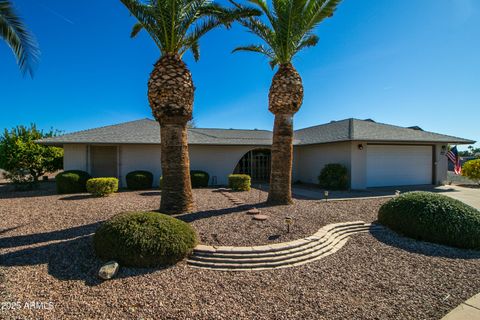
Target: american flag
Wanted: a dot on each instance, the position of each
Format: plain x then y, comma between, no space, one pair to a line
452,155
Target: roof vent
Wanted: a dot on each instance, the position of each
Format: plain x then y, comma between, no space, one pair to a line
369,120
415,128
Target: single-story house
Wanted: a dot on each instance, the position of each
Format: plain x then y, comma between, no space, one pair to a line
375,154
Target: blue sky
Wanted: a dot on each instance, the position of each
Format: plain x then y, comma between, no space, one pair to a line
404,62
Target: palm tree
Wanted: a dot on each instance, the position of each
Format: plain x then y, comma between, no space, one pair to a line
16,35
176,27
289,28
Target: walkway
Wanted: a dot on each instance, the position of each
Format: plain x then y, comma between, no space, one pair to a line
468,310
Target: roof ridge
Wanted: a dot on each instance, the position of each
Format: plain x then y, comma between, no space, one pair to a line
323,124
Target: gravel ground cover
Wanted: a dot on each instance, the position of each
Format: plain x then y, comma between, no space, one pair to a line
46,257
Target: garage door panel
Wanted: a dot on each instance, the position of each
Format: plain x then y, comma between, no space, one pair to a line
396,165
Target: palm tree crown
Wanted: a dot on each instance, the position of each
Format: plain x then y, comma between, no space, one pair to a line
22,43
290,27
177,25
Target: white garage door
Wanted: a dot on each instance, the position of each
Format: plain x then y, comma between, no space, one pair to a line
397,165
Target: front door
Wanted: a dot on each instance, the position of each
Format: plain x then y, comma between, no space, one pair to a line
103,161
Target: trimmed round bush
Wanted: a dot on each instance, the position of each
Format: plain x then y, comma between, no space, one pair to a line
139,180
433,217
239,182
144,239
199,178
71,181
333,176
101,187
471,170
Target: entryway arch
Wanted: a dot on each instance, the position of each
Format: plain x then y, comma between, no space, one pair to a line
255,163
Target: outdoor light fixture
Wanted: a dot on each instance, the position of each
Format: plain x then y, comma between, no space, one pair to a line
288,222
325,194
444,149
360,146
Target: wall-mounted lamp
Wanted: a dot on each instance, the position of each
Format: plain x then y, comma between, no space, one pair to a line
444,150
360,146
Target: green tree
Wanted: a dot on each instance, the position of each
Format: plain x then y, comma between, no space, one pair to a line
18,38
176,27
471,170
24,159
287,29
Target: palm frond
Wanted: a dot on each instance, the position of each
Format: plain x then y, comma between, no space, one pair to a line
18,38
136,29
291,23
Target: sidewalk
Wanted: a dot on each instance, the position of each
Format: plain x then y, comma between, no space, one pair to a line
468,310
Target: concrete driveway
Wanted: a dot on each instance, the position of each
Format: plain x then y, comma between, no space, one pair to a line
469,195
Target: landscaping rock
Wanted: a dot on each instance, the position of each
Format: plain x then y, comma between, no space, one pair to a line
108,270
253,211
260,217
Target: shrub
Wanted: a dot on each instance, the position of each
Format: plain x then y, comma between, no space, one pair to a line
139,180
72,181
433,217
334,176
471,170
101,187
239,182
199,178
144,239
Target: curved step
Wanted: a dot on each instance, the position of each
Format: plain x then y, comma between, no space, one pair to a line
274,256
285,246
326,241
337,244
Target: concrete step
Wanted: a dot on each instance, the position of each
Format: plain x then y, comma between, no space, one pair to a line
281,248
257,250
326,241
274,256
335,245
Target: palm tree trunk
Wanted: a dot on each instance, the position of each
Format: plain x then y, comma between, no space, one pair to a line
282,158
170,93
176,185
285,99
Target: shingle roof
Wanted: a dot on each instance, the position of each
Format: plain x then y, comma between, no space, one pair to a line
147,131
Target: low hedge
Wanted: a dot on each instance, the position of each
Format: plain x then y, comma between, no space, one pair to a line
144,239
101,187
199,178
239,182
71,181
433,217
139,180
333,176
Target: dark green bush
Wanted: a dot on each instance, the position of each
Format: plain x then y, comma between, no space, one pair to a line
433,217
72,181
139,180
101,187
144,239
334,176
239,182
199,178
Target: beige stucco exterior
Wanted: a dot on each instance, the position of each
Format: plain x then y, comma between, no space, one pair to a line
220,160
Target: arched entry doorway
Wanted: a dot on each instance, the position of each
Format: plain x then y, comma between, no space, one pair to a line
255,163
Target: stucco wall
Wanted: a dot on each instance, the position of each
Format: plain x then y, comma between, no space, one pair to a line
140,157
75,157
441,164
310,160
